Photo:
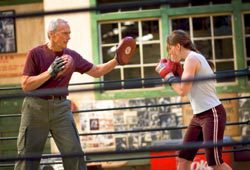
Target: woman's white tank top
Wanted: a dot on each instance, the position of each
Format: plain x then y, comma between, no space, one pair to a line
202,95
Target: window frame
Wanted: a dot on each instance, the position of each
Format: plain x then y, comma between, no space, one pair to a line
140,44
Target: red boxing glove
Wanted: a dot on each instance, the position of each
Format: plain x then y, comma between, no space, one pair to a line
165,68
178,69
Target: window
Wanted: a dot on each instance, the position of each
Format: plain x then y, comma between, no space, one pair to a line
247,39
212,36
7,33
148,52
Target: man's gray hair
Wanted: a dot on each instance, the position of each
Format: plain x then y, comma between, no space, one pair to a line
54,24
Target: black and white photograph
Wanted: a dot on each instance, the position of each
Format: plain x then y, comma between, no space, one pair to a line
179,120
143,119
176,108
245,115
84,124
133,142
156,135
119,118
164,101
146,139
137,102
170,120
106,124
151,102
131,117
163,119
133,127
120,127
120,143
94,124
154,119
7,33
165,135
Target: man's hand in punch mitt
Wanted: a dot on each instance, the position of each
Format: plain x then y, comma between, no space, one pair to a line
125,51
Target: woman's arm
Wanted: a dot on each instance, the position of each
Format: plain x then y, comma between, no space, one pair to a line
190,68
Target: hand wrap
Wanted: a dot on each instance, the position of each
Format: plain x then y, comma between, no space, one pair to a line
56,66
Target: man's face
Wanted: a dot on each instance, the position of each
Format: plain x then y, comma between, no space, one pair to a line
61,36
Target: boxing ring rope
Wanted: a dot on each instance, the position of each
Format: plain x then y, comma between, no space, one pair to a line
139,130
118,159
58,91
197,145
127,158
133,107
131,80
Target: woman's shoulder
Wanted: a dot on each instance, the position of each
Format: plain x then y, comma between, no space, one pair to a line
196,56
192,56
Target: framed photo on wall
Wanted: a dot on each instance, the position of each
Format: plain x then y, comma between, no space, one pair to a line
7,33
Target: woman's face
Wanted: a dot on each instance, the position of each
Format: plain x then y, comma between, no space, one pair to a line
174,52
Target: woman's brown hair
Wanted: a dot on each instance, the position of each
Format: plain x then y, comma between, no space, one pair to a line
181,37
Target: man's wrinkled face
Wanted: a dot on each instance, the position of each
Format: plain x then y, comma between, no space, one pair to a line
61,36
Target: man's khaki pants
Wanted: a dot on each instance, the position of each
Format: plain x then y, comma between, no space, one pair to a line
39,117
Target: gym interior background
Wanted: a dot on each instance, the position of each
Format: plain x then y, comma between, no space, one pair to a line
219,28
